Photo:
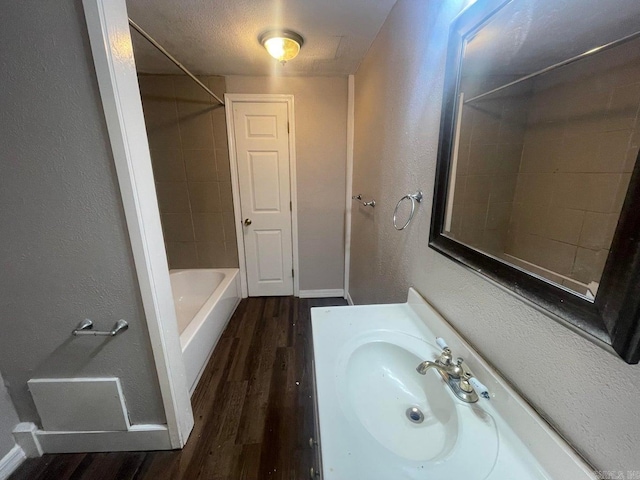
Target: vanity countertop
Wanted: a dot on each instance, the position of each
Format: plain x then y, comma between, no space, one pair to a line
365,376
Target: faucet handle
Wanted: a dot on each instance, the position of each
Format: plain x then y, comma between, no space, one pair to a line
479,388
445,357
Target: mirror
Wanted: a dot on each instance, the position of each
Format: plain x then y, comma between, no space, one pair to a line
538,148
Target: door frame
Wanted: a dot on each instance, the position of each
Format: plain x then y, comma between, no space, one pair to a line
110,39
233,98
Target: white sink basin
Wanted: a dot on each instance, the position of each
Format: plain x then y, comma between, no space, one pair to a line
378,383
383,384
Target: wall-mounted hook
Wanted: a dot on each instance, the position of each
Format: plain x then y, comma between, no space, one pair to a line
358,197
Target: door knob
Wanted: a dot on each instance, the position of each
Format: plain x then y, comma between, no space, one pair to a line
247,221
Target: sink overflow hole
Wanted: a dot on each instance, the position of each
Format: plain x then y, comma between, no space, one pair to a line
415,415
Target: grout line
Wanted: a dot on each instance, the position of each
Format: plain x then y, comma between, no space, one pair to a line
186,175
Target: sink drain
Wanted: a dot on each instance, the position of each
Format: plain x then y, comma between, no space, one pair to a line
415,415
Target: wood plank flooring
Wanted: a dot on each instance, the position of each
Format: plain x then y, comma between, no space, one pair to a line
253,408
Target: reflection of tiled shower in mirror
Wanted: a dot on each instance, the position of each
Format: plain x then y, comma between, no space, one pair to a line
542,167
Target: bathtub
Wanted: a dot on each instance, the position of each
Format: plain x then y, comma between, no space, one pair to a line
205,300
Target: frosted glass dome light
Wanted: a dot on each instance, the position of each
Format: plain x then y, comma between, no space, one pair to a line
283,45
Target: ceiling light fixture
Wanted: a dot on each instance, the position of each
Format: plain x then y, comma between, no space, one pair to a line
283,45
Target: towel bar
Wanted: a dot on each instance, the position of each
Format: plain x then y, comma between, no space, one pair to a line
85,327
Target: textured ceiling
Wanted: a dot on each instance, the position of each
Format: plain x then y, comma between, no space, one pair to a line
221,37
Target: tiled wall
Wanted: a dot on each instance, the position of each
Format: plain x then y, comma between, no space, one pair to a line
190,156
579,150
491,138
543,171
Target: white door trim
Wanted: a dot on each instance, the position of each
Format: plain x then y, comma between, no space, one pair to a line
229,100
110,39
349,182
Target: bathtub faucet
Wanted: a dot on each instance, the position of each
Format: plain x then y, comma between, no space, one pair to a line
460,380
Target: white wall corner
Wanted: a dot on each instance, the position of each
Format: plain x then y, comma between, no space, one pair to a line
26,437
11,461
108,29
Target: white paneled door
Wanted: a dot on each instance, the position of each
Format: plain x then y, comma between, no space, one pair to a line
262,154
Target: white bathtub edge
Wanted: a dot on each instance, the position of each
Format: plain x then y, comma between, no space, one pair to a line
200,337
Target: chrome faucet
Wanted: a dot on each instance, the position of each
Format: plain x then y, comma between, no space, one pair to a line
457,376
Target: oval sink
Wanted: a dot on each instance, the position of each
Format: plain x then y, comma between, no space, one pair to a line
415,418
383,384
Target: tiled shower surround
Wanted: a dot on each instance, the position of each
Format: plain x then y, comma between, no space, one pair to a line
550,165
190,156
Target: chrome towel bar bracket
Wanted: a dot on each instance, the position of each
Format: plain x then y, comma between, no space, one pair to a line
415,198
85,327
358,197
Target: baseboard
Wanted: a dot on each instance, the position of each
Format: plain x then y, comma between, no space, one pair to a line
349,299
337,292
11,461
137,438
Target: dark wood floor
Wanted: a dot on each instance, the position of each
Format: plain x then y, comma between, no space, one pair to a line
253,408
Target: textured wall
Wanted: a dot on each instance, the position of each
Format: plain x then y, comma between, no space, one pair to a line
188,140
65,252
321,149
8,420
587,393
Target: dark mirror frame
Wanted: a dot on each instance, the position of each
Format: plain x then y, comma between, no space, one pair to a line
614,316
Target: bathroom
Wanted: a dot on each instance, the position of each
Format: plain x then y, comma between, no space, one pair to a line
72,248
